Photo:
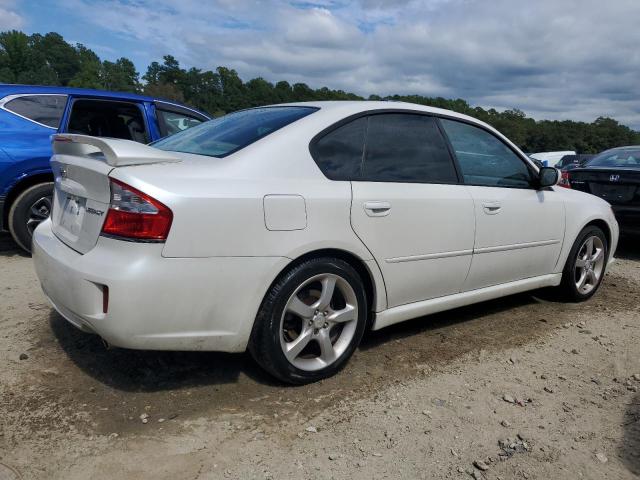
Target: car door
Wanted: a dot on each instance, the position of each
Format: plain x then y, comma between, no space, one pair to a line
409,209
519,228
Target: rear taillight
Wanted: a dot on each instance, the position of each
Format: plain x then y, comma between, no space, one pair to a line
135,215
564,180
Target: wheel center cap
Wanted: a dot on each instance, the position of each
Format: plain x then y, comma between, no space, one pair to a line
318,320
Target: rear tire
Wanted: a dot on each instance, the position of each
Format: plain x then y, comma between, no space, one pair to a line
27,211
310,322
585,266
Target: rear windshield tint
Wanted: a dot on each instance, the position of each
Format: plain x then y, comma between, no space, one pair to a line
225,135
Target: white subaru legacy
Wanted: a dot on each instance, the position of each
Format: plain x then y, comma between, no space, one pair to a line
292,229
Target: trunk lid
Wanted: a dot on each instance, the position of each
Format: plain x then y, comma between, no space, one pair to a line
82,192
617,186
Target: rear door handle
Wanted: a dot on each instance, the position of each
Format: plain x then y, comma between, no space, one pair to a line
491,208
377,209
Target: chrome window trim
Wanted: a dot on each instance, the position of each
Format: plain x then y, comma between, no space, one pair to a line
8,98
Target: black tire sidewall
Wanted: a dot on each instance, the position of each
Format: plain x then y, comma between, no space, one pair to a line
20,209
568,282
266,347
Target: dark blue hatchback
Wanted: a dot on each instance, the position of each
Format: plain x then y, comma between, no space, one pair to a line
30,114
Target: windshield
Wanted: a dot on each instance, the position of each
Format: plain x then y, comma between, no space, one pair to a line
617,158
223,136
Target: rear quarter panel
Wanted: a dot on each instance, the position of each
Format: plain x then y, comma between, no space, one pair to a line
218,206
215,215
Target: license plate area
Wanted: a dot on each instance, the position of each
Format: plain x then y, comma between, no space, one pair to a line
73,212
614,193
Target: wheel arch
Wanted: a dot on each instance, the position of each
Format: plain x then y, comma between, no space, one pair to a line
372,280
602,225
19,187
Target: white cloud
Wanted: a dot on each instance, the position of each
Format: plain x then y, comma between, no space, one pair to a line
562,59
9,18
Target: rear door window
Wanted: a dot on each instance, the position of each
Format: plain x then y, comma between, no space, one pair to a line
46,110
406,148
104,118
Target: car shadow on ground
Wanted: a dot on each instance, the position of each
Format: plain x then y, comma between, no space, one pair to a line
629,248
630,447
440,321
149,371
9,248
146,370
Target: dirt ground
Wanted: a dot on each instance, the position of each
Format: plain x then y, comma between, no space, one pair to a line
522,387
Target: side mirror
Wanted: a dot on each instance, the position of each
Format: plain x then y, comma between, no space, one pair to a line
548,177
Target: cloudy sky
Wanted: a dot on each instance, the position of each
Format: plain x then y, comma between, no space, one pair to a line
559,59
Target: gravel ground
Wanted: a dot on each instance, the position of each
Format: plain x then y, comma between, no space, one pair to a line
519,387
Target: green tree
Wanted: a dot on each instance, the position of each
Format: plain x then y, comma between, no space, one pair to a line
61,57
283,91
232,90
120,76
14,54
89,74
260,92
164,90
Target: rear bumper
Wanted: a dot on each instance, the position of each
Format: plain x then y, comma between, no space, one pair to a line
155,303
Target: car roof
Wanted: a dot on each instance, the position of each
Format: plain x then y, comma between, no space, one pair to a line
14,89
626,147
353,107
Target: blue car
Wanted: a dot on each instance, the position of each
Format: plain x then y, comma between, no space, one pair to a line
30,114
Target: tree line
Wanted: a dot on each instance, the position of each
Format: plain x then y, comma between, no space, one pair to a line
50,60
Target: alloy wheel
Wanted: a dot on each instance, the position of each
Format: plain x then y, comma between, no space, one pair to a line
38,212
319,322
589,264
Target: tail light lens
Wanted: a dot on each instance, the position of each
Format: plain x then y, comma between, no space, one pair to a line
564,180
135,215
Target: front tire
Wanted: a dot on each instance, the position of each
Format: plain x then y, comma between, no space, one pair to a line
32,207
311,321
586,265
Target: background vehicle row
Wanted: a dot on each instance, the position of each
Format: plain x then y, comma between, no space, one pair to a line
29,115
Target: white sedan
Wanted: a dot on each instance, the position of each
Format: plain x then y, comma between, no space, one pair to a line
291,229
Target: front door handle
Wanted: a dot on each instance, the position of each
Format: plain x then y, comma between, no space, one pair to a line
491,208
377,209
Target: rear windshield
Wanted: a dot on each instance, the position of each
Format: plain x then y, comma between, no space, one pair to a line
225,135
616,158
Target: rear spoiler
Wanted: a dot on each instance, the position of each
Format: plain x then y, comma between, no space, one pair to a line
117,152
